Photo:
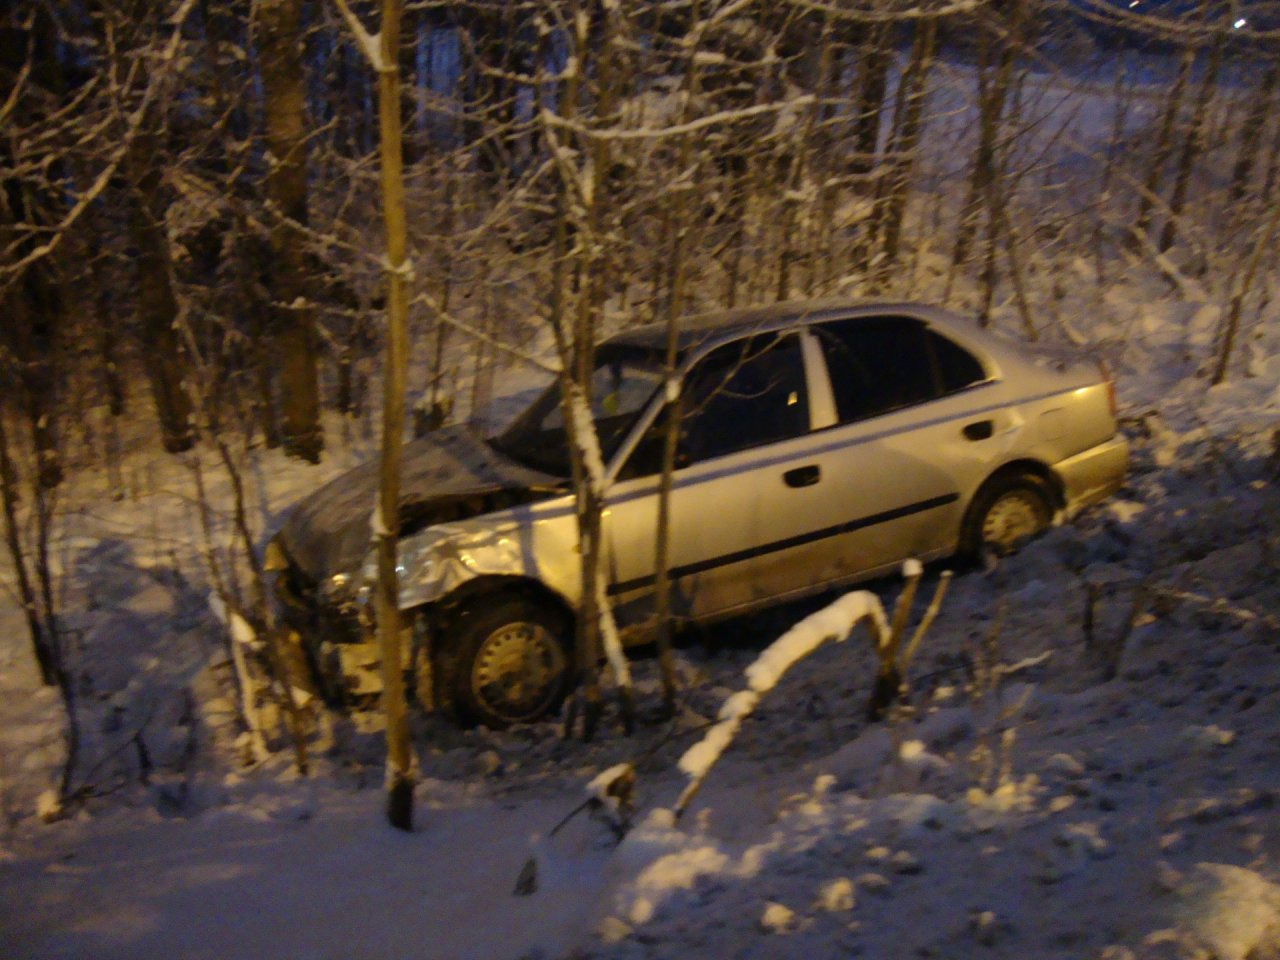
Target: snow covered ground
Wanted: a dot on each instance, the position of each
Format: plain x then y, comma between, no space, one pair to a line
1029,804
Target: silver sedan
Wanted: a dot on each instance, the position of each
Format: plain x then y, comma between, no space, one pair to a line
820,443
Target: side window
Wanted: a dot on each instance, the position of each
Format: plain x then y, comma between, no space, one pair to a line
957,367
744,395
877,364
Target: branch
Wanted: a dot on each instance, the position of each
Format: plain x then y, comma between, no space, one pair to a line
486,338
368,43
679,129
14,270
834,622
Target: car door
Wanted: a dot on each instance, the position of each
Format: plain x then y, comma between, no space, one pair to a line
745,407
914,429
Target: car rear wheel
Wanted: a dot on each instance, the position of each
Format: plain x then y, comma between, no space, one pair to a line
507,660
1007,513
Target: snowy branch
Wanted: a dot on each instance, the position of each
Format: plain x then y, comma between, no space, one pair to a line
443,316
13,271
369,44
675,130
834,622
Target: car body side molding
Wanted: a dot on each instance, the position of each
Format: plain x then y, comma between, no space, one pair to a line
799,540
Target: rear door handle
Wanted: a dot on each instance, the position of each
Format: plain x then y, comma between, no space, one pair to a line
803,476
979,430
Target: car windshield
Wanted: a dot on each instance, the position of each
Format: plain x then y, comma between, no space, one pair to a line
624,381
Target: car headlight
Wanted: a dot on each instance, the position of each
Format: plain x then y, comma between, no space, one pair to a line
335,588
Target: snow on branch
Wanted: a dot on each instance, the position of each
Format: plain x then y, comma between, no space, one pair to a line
443,315
678,129
611,638
368,43
613,791
12,272
913,11
584,435
834,622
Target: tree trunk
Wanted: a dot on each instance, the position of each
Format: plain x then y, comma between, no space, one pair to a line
284,98
41,643
164,357
381,50
32,305
1261,106
873,74
1193,143
1164,139
400,774
1273,166
906,137
674,306
992,93
1262,244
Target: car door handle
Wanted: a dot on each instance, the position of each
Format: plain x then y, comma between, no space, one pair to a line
803,476
979,430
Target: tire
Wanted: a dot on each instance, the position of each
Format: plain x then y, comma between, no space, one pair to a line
505,660
1007,512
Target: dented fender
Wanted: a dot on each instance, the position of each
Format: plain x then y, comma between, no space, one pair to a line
540,544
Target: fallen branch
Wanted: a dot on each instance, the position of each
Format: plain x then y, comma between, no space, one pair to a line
834,622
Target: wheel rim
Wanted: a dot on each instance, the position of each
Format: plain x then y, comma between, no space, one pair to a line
1014,518
517,671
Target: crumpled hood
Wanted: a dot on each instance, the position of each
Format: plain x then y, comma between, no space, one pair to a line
328,531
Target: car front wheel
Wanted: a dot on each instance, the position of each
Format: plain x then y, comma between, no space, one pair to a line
506,660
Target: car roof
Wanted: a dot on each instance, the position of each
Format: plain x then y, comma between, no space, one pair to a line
711,329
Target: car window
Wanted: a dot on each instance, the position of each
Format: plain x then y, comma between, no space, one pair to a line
619,389
957,367
877,364
744,395
740,396
622,385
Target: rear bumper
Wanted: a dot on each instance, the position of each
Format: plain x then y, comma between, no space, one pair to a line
1094,474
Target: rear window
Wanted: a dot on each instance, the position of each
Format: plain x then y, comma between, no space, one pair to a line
956,365
881,364
877,365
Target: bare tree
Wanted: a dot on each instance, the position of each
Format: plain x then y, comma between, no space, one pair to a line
284,95
1000,42
908,112
1192,143
1163,149
381,51
1261,107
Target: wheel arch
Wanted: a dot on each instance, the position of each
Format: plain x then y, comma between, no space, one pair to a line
443,610
1024,467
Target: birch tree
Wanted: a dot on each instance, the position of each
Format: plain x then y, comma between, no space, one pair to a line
575,316
381,51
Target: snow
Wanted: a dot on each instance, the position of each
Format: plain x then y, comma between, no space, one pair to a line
241,632
377,525
1136,814
1227,909
831,623
584,435
1047,810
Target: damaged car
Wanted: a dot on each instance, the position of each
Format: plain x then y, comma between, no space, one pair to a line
820,443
